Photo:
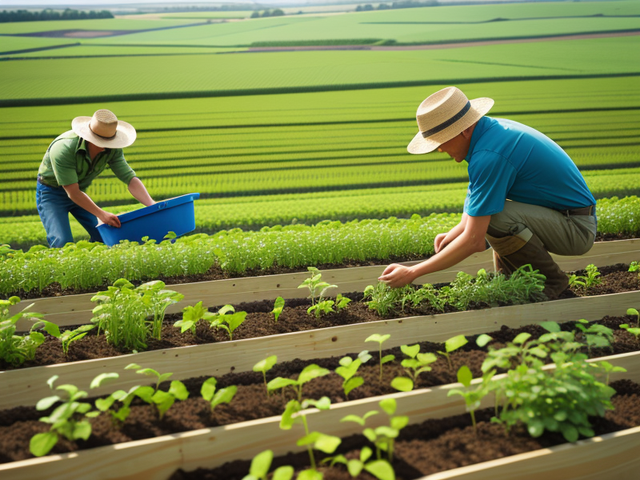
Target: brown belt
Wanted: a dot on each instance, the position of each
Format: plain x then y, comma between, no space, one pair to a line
590,210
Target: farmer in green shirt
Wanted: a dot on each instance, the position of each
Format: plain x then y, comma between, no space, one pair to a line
69,166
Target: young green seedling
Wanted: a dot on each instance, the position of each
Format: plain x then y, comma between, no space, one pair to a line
277,308
321,307
228,319
595,335
264,366
308,373
414,366
120,415
380,339
69,336
64,419
347,369
381,469
191,315
224,395
633,311
451,345
154,396
261,464
608,369
471,397
317,288
384,437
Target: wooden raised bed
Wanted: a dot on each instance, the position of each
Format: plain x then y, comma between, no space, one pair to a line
76,309
27,386
610,456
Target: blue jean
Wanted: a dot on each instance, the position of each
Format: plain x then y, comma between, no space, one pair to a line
54,207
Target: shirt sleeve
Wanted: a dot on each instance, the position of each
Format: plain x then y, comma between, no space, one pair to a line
63,162
491,176
121,168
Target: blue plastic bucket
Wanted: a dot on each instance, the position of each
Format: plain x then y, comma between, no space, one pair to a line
155,221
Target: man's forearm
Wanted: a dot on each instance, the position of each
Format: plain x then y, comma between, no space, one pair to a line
459,249
456,231
83,200
139,192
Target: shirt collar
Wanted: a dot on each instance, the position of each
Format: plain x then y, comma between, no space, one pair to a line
481,127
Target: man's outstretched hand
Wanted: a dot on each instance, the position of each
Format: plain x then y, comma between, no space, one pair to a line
110,219
396,275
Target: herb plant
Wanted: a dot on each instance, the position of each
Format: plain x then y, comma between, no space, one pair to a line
380,339
228,319
317,287
191,315
347,370
472,397
69,336
383,437
595,335
308,373
381,469
585,282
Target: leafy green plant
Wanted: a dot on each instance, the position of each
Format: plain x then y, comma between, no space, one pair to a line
69,336
414,366
452,345
383,299
472,397
119,415
264,366
585,282
381,469
317,287
348,368
228,319
306,375
383,437
153,395
277,308
216,397
633,330
191,315
68,420
595,335
261,464
157,300
380,339
16,349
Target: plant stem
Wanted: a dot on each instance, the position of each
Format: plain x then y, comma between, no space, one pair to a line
309,449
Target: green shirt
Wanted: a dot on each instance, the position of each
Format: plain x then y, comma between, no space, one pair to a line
67,161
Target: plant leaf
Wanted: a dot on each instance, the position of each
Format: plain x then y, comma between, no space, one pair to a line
402,384
42,443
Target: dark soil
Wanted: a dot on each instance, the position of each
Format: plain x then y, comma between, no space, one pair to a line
19,424
442,444
294,318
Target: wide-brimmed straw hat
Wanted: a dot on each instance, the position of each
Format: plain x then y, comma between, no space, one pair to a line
444,115
104,130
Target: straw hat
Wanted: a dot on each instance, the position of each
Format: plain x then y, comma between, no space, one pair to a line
104,130
444,115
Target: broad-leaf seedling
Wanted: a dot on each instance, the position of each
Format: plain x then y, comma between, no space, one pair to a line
380,339
154,396
261,464
264,366
277,308
347,369
452,345
191,315
414,366
216,397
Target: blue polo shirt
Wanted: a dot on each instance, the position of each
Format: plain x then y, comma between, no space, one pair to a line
508,160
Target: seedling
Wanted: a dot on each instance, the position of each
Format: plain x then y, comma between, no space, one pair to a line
154,396
191,315
326,306
16,349
120,415
347,369
209,393
585,282
64,419
317,288
633,330
69,336
381,469
261,464
383,298
633,311
384,437
277,308
308,373
595,335
381,339
228,319
608,369
452,345
414,366
264,366
471,397
157,300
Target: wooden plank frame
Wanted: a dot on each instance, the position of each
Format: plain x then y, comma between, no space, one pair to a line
76,309
28,385
608,456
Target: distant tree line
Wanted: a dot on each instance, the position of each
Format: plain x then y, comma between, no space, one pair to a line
268,13
209,8
49,14
400,4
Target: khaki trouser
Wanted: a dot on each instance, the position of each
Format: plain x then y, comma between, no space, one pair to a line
561,234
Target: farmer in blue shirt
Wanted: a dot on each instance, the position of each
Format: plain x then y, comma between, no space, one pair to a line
525,195
71,163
